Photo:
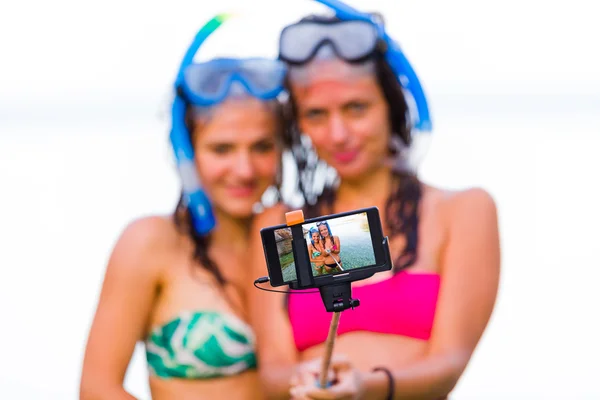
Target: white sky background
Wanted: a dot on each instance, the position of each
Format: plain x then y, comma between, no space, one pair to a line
514,88
66,53
351,224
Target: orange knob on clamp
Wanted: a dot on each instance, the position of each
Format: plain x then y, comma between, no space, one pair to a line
294,217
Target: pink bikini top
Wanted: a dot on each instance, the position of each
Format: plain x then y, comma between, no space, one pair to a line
401,305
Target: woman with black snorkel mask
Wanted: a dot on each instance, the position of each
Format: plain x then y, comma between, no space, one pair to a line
176,282
418,325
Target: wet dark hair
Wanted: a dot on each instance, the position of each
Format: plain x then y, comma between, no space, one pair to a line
183,218
402,207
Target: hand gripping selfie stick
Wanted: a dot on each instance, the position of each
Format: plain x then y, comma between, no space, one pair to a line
336,261
336,297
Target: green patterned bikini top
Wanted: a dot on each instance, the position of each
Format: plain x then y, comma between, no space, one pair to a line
198,345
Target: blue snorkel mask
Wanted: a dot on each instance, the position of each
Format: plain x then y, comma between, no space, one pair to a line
208,84
354,39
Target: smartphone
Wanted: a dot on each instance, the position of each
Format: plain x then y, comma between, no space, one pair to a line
340,247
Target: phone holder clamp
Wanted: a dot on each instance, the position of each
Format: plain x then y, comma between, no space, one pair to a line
336,297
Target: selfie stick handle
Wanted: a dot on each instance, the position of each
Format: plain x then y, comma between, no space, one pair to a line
336,297
335,320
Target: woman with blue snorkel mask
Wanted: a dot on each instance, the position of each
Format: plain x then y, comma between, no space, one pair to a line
417,326
176,282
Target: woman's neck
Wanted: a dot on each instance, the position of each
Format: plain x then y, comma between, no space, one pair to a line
230,233
364,192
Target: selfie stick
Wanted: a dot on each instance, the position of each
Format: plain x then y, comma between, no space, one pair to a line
336,261
336,297
335,320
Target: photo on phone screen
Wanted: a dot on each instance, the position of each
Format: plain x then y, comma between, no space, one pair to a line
339,244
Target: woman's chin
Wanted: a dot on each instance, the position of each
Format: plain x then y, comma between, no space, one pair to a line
241,212
351,171
239,209
350,175
359,171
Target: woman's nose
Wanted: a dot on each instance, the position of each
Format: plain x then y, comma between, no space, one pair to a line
243,167
338,132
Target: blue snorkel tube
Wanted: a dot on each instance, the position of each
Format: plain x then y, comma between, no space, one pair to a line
194,197
394,56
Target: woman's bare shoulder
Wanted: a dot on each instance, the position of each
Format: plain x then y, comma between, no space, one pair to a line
465,203
273,215
460,198
144,242
150,231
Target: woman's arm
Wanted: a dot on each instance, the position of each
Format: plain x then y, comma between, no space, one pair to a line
277,356
470,277
310,252
337,247
125,303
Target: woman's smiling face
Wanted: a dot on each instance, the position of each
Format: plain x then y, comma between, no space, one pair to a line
315,237
323,230
348,123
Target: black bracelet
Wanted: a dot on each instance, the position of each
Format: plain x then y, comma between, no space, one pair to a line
390,381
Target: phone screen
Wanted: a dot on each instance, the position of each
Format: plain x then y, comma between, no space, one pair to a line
339,244
336,244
